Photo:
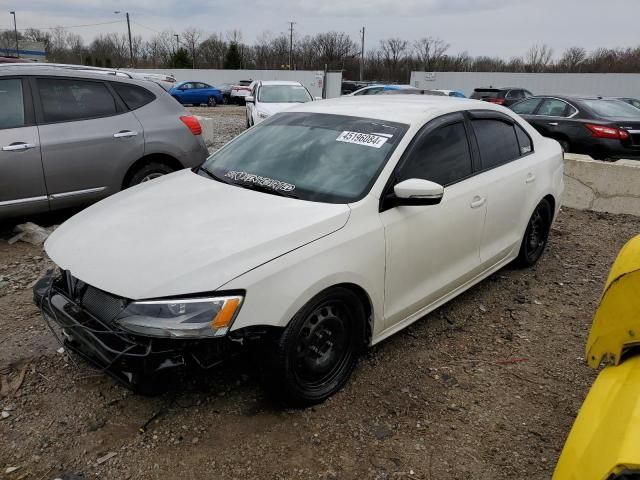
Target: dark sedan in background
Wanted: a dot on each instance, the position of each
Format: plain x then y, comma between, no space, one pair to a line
596,126
505,96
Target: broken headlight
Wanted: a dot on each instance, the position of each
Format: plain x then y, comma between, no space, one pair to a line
181,318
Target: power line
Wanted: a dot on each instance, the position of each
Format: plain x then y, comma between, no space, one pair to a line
144,26
71,26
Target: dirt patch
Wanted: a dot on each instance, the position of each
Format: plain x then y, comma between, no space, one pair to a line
485,388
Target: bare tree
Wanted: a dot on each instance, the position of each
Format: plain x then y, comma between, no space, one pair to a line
572,59
191,38
333,49
538,58
430,51
213,50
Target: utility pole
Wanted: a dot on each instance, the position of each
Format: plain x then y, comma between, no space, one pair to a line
362,54
175,55
15,30
291,24
117,12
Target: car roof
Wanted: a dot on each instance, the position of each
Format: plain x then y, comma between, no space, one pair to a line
408,109
278,82
75,71
497,89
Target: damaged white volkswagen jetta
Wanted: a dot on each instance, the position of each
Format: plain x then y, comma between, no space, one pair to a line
321,231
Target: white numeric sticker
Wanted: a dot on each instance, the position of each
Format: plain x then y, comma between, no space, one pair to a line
366,139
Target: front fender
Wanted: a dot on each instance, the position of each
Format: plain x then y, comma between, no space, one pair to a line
616,324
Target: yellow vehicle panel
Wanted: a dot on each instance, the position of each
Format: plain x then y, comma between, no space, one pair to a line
605,438
616,324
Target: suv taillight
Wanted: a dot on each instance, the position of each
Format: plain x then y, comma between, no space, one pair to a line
497,101
602,131
192,124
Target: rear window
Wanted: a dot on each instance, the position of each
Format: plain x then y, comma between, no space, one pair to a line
132,95
612,108
480,93
69,100
497,142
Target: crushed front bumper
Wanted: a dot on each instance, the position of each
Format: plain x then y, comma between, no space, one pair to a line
136,361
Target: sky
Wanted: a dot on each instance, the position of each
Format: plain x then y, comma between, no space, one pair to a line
502,28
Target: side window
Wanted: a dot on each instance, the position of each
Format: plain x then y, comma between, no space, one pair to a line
68,100
372,91
442,157
11,99
552,107
497,142
132,95
187,86
201,85
524,140
526,107
515,95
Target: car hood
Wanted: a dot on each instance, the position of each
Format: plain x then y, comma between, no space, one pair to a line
183,234
273,108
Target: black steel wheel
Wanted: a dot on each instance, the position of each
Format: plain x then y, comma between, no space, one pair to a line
536,235
318,351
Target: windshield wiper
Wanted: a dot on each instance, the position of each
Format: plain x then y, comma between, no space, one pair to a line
212,175
261,188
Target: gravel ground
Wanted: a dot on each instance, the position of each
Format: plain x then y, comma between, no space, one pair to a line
485,387
229,121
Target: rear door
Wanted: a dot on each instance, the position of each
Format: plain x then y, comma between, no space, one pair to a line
508,170
22,186
88,138
552,118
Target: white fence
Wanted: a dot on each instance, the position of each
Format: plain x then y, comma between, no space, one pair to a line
313,80
606,84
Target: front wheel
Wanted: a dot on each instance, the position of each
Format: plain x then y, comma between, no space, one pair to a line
317,352
211,102
536,235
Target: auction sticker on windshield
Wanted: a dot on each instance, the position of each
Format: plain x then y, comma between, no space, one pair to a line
367,139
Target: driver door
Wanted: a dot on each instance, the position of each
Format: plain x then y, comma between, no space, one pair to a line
432,250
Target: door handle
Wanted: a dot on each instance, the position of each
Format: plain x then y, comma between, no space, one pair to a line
555,124
530,178
478,201
17,147
125,134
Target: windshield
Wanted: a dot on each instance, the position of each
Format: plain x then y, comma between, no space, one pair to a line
612,108
312,156
283,94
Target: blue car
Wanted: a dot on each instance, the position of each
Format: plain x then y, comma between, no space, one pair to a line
196,93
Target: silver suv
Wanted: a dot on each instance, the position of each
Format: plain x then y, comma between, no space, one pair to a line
70,138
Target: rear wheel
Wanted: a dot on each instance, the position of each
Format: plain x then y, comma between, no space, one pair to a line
211,102
536,235
316,354
148,171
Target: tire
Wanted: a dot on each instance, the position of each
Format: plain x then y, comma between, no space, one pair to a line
248,123
211,102
148,171
536,235
318,351
225,100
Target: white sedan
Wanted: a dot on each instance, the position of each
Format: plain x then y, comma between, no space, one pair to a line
319,232
270,97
